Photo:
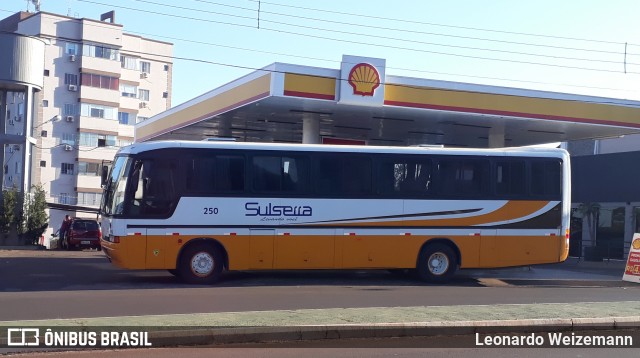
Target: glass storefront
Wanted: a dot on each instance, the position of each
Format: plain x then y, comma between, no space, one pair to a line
612,232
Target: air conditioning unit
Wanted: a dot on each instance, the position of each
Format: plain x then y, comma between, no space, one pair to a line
73,88
143,104
72,58
69,118
68,148
144,75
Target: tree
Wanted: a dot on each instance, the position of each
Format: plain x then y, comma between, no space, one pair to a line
36,220
8,210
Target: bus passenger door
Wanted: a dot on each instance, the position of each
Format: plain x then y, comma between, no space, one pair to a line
261,249
156,248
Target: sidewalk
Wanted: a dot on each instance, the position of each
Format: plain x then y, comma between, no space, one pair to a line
339,323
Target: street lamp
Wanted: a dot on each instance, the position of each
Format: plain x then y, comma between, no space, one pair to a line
53,119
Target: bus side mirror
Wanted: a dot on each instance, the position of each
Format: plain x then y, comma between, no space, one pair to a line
104,173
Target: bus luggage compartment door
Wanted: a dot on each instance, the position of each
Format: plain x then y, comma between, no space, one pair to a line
261,249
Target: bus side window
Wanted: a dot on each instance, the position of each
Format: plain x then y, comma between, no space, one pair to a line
463,177
510,178
546,178
159,179
405,177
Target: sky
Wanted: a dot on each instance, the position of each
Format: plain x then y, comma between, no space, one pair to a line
588,47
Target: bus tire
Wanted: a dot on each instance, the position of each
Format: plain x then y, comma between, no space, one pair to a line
436,263
200,264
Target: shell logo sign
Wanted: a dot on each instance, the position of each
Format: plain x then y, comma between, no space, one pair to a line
361,81
364,79
632,269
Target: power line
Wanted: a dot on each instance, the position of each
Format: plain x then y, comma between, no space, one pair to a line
378,36
363,43
410,31
450,46
437,24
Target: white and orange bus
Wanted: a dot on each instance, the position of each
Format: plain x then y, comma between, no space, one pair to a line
199,208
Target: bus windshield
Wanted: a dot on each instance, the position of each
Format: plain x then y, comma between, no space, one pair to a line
114,195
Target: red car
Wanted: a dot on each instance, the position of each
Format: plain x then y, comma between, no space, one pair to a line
82,233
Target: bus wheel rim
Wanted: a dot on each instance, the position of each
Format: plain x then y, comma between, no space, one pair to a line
202,264
438,263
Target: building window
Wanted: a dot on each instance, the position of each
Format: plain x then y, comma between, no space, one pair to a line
92,199
43,163
165,94
126,118
45,103
70,79
145,66
97,140
67,168
97,111
143,95
99,81
100,52
91,169
129,90
71,48
70,109
46,73
63,198
68,138
43,134
128,62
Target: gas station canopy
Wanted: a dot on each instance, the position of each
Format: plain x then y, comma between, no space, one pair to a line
293,103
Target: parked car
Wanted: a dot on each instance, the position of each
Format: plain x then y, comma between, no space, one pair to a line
82,233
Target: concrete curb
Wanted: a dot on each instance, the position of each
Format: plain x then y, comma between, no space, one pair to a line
239,335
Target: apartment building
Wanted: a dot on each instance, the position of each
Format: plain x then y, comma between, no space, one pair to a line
98,82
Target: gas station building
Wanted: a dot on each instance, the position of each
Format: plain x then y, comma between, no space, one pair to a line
359,101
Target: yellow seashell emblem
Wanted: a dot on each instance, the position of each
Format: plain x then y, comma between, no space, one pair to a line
636,244
364,79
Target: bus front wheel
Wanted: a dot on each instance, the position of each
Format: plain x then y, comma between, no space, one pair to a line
437,263
200,264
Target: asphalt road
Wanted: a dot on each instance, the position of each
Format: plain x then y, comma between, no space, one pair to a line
56,284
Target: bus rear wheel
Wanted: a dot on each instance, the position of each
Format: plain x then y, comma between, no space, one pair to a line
200,264
436,263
